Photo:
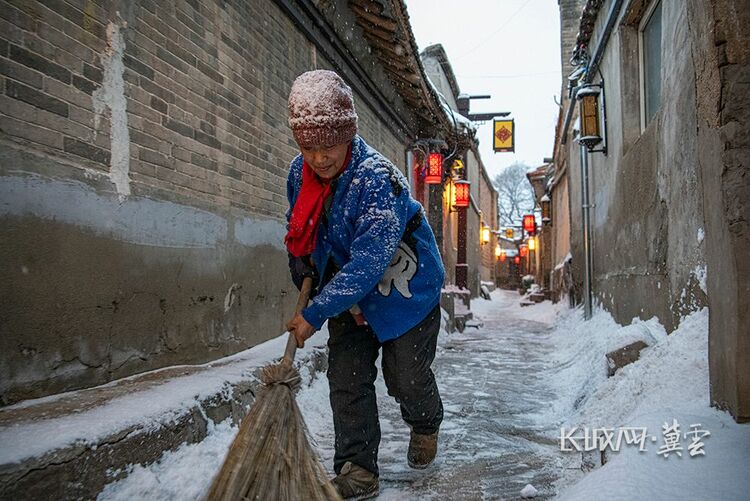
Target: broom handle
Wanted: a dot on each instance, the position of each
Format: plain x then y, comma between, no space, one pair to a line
291,342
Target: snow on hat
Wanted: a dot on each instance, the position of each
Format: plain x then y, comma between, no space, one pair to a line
321,110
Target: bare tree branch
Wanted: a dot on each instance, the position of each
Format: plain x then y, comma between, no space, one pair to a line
515,194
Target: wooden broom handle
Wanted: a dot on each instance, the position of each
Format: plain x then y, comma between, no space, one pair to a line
291,342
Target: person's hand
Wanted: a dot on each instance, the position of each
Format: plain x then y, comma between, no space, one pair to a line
301,267
300,329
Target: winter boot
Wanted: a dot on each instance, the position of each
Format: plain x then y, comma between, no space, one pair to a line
422,450
355,482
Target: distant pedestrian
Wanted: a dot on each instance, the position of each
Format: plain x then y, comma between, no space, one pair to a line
355,228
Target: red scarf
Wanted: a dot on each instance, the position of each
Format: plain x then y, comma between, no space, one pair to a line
303,225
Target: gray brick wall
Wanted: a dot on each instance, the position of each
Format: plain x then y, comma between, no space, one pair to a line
188,101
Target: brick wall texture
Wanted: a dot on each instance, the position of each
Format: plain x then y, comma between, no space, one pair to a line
206,85
182,101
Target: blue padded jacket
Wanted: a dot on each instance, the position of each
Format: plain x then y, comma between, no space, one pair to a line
378,238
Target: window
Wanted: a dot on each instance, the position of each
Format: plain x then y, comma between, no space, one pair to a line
650,49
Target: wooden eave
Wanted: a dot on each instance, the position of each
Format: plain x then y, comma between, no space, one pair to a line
385,26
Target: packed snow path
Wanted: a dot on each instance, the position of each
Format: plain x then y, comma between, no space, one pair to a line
495,438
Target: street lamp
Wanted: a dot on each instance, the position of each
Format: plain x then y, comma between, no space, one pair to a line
546,204
434,174
588,99
461,193
529,224
485,234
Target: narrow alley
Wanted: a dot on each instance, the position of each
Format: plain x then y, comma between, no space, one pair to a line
226,215
498,434
495,438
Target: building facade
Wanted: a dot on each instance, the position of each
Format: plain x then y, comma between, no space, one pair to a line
667,202
144,155
482,210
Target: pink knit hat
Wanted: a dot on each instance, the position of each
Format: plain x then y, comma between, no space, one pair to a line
321,110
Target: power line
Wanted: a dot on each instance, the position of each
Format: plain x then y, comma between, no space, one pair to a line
497,30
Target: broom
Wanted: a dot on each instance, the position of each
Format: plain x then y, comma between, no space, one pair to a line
271,457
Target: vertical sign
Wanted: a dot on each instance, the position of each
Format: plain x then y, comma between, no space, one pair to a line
503,135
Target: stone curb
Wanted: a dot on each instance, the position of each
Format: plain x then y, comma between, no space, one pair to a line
81,471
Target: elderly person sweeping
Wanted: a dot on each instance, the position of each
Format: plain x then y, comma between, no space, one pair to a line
355,228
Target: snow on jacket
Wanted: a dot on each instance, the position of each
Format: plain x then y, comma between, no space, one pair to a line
378,238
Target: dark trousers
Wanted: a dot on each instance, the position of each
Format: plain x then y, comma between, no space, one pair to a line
352,353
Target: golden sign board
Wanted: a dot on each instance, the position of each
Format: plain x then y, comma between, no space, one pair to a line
503,135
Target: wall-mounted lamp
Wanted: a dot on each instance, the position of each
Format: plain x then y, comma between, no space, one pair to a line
498,251
523,250
591,130
532,243
485,234
461,193
517,260
546,204
529,224
434,171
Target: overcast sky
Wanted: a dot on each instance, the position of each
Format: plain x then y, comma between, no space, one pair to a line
509,49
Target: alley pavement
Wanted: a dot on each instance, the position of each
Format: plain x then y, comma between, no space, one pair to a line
497,435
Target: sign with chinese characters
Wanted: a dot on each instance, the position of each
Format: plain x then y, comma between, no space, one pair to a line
503,135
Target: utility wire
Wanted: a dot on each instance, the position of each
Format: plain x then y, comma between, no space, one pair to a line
496,31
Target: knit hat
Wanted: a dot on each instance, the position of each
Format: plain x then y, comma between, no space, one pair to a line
321,110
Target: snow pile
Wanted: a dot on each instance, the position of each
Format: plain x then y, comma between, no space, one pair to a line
185,473
529,491
670,382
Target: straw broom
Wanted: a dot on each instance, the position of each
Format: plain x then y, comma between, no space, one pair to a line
271,457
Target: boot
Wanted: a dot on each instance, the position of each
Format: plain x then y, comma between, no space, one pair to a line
355,482
422,450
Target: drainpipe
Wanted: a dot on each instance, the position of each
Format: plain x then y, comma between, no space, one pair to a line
585,205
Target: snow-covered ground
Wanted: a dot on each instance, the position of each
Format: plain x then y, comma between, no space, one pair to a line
668,385
508,388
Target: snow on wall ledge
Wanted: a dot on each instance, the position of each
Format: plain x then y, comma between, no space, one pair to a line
136,220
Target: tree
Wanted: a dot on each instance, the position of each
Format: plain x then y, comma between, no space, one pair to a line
515,196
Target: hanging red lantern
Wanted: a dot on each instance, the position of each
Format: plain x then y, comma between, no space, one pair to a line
529,224
524,251
517,260
502,256
461,193
434,174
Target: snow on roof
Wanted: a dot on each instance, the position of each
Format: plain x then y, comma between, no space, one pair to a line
463,124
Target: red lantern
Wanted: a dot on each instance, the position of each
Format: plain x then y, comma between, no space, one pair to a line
461,193
524,251
517,259
502,256
434,173
529,224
